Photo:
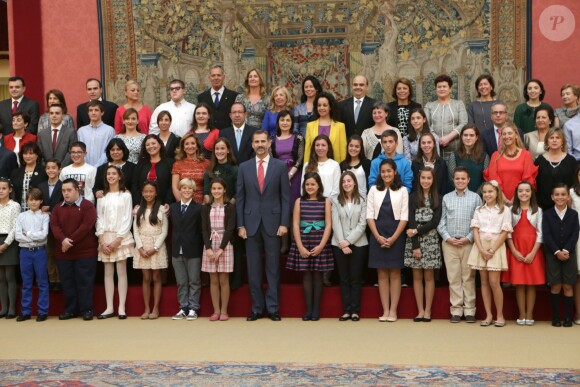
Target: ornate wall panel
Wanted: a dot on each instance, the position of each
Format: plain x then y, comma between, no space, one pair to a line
158,40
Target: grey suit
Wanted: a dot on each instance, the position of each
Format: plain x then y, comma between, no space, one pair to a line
262,213
63,142
28,106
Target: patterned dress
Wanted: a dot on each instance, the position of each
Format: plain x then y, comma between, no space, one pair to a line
225,263
429,243
312,224
194,170
255,111
148,236
133,143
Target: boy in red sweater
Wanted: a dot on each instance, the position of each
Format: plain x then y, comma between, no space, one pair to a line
73,225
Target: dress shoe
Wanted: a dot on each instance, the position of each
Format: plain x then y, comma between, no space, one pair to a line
426,319
470,319
418,319
254,317
314,318
567,323
88,315
355,317
3,315
556,323
306,317
499,324
23,317
577,322
345,317
10,316
224,317
41,317
122,317
105,316
67,316
274,316
391,319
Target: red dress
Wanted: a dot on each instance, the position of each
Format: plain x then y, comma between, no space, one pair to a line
509,172
520,273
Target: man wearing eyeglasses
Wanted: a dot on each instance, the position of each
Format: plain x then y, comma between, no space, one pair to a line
181,111
499,117
95,92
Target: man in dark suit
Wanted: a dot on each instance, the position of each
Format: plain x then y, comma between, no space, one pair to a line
223,101
357,112
239,134
263,212
499,117
95,91
55,142
18,103
8,161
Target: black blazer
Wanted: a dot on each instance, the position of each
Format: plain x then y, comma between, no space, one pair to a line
108,117
246,151
441,175
221,114
365,116
186,230
17,178
172,145
560,234
8,162
490,143
163,171
28,106
128,170
56,197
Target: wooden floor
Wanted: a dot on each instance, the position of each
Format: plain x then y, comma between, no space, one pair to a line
292,340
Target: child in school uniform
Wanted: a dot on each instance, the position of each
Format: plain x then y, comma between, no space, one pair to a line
31,233
491,224
560,231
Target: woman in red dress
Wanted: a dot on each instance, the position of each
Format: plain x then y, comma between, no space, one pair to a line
525,256
511,164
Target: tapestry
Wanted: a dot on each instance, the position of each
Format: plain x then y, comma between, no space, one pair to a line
155,41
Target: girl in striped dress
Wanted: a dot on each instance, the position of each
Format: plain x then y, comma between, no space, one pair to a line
310,252
218,222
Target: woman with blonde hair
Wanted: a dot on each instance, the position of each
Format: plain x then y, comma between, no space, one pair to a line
254,98
133,101
280,100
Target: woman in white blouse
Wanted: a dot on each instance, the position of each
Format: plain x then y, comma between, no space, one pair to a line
114,220
322,161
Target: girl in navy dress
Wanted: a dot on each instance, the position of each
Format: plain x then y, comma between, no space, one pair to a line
310,252
387,217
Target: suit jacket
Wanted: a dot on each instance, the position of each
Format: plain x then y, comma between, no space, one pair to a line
55,198
221,114
349,224
28,106
64,140
246,151
270,207
186,234
490,143
17,178
108,117
560,234
365,116
8,162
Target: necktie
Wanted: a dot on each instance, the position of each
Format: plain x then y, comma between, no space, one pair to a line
261,175
14,106
54,136
183,208
216,100
238,138
498,139
356,110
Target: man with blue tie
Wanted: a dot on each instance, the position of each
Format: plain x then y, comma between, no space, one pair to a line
239,134
263,212
219,97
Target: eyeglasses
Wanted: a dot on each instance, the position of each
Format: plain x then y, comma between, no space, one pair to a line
176,88
498,113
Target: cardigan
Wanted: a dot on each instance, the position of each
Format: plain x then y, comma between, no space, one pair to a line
425,227
229,225
399,202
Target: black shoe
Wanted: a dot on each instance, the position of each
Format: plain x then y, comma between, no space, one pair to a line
3,315
345,317
55,286
254,317
315,318
306,317
556,323
10,316
67,316
355,317
88,315
426,319
122,317
418,319
567,323
23,317
41,317
105,316
274,316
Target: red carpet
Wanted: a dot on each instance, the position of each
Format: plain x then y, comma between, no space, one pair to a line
292,302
